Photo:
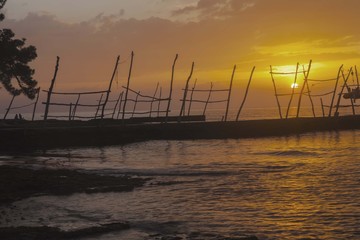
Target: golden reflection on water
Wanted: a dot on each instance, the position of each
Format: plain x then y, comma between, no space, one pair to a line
295,187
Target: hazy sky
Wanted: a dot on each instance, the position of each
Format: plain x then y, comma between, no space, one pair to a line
216,34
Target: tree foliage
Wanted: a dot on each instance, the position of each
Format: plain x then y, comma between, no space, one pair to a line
15,74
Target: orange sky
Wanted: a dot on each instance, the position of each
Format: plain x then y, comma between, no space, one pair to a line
215,34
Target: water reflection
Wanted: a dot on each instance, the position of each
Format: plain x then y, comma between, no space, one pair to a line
300,187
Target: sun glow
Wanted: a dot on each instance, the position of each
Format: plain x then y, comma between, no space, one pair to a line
294,85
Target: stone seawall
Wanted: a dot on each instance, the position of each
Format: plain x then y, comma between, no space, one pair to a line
59,134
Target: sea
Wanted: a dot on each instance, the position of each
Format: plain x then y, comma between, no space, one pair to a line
303,186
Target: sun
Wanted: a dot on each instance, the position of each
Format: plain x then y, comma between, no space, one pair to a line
294,85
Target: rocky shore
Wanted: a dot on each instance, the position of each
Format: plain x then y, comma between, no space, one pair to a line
20,183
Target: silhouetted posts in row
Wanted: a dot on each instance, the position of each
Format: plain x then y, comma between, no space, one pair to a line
208,99
128,85
191,97
35,104
229,94
246,93
110,84
335,88
152,101
51,88
341,92
10,107
302,90
171,87
275,90
182,110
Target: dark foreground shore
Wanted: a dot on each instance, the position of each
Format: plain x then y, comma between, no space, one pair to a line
60,134
19,183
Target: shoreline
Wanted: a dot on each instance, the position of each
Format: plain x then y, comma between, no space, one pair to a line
19,183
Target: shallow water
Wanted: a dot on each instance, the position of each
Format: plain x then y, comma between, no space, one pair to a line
297,187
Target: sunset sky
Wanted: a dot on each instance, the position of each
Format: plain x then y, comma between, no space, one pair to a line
215,34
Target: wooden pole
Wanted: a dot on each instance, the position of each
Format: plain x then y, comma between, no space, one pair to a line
128,85
311,101
322,107
152,101
136,100
171,87
75,107
98,108
292,91
246,93
191,97
70,111
276,95
9,107
182,110
336,84
120,104
208,99
115,107
35,104
303,87
349,91
357,77
229,95
159,103
51,89
341,92
110,84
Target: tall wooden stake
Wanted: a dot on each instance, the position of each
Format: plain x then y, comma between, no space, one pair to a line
70,111
336,84
159,103
349,91
110,84
229,95
171,87
357,77
75,107
341,92
322,107
293,91
208,99
127,85
9,107
136,100
310,98
303,87
191,97
116,104
98,108
182,110
51,89
35,104
153,99
120,104
246,93
276,95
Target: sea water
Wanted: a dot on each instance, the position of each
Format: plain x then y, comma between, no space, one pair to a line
294,187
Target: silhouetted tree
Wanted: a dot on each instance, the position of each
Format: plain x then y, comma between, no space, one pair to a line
14,59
